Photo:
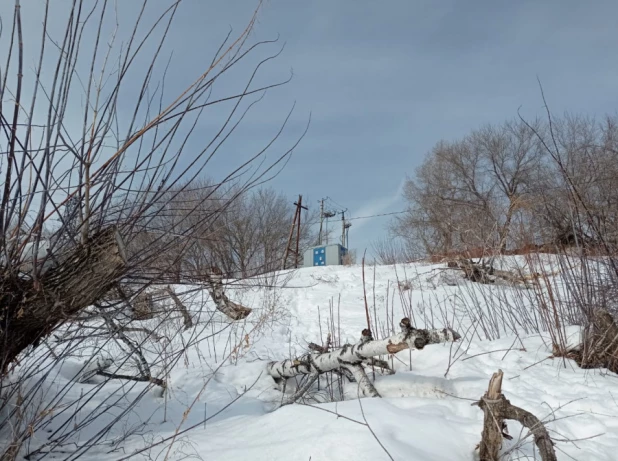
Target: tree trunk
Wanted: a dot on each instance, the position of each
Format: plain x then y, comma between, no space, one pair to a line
350,357
28,312
214,285
506,228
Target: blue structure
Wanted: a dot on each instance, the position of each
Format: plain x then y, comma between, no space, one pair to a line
319,256
324,255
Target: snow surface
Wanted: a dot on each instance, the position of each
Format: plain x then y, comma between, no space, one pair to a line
425,413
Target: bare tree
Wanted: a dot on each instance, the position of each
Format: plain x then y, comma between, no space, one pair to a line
392,251
247,238
578,201
467,193
512,156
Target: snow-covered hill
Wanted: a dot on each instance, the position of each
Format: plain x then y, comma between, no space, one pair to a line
425,413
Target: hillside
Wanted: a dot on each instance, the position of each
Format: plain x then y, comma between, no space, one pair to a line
425,412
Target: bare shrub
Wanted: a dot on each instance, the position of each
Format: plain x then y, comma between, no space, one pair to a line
349,259
96,149
243,233
389,251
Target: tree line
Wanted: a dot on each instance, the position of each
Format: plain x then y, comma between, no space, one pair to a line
539,183
243,233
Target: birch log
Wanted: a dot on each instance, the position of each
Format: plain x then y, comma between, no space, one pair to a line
350,357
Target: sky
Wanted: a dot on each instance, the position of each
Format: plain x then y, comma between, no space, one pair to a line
382,82
385,81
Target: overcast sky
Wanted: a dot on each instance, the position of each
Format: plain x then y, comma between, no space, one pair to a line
385,80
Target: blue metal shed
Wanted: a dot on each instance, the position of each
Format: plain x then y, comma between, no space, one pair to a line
324,255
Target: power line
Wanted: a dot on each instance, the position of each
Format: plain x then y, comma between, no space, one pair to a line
337,205
366,217
377,215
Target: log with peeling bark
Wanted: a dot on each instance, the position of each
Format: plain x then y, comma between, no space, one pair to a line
214,285
497,409
351,357
29,311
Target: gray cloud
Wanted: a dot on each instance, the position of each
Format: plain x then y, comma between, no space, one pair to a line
386,80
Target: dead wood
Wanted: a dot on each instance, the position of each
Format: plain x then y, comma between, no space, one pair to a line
321,349
147,331
599,348
102,365
302,390
143,379
143,306
349,359
181,307
476,272
486,273
145,374
497,409
29,311
214,285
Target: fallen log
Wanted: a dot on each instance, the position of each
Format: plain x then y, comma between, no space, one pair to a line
351,357
496,409
476,272
487,274
29,311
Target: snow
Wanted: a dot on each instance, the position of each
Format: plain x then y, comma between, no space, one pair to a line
426,413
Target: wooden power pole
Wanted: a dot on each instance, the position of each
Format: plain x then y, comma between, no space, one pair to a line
293,248
345,230
324,215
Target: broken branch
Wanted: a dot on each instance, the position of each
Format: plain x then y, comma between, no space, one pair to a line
214,285
497,409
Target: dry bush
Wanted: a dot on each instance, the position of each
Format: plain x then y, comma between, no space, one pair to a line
389,251
349,259
99,140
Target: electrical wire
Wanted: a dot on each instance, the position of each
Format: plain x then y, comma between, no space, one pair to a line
366,217
376,215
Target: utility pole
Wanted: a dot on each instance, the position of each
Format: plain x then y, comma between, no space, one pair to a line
345,229
321,221
324,215
295,226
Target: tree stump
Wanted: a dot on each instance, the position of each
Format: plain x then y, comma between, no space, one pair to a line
497,409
